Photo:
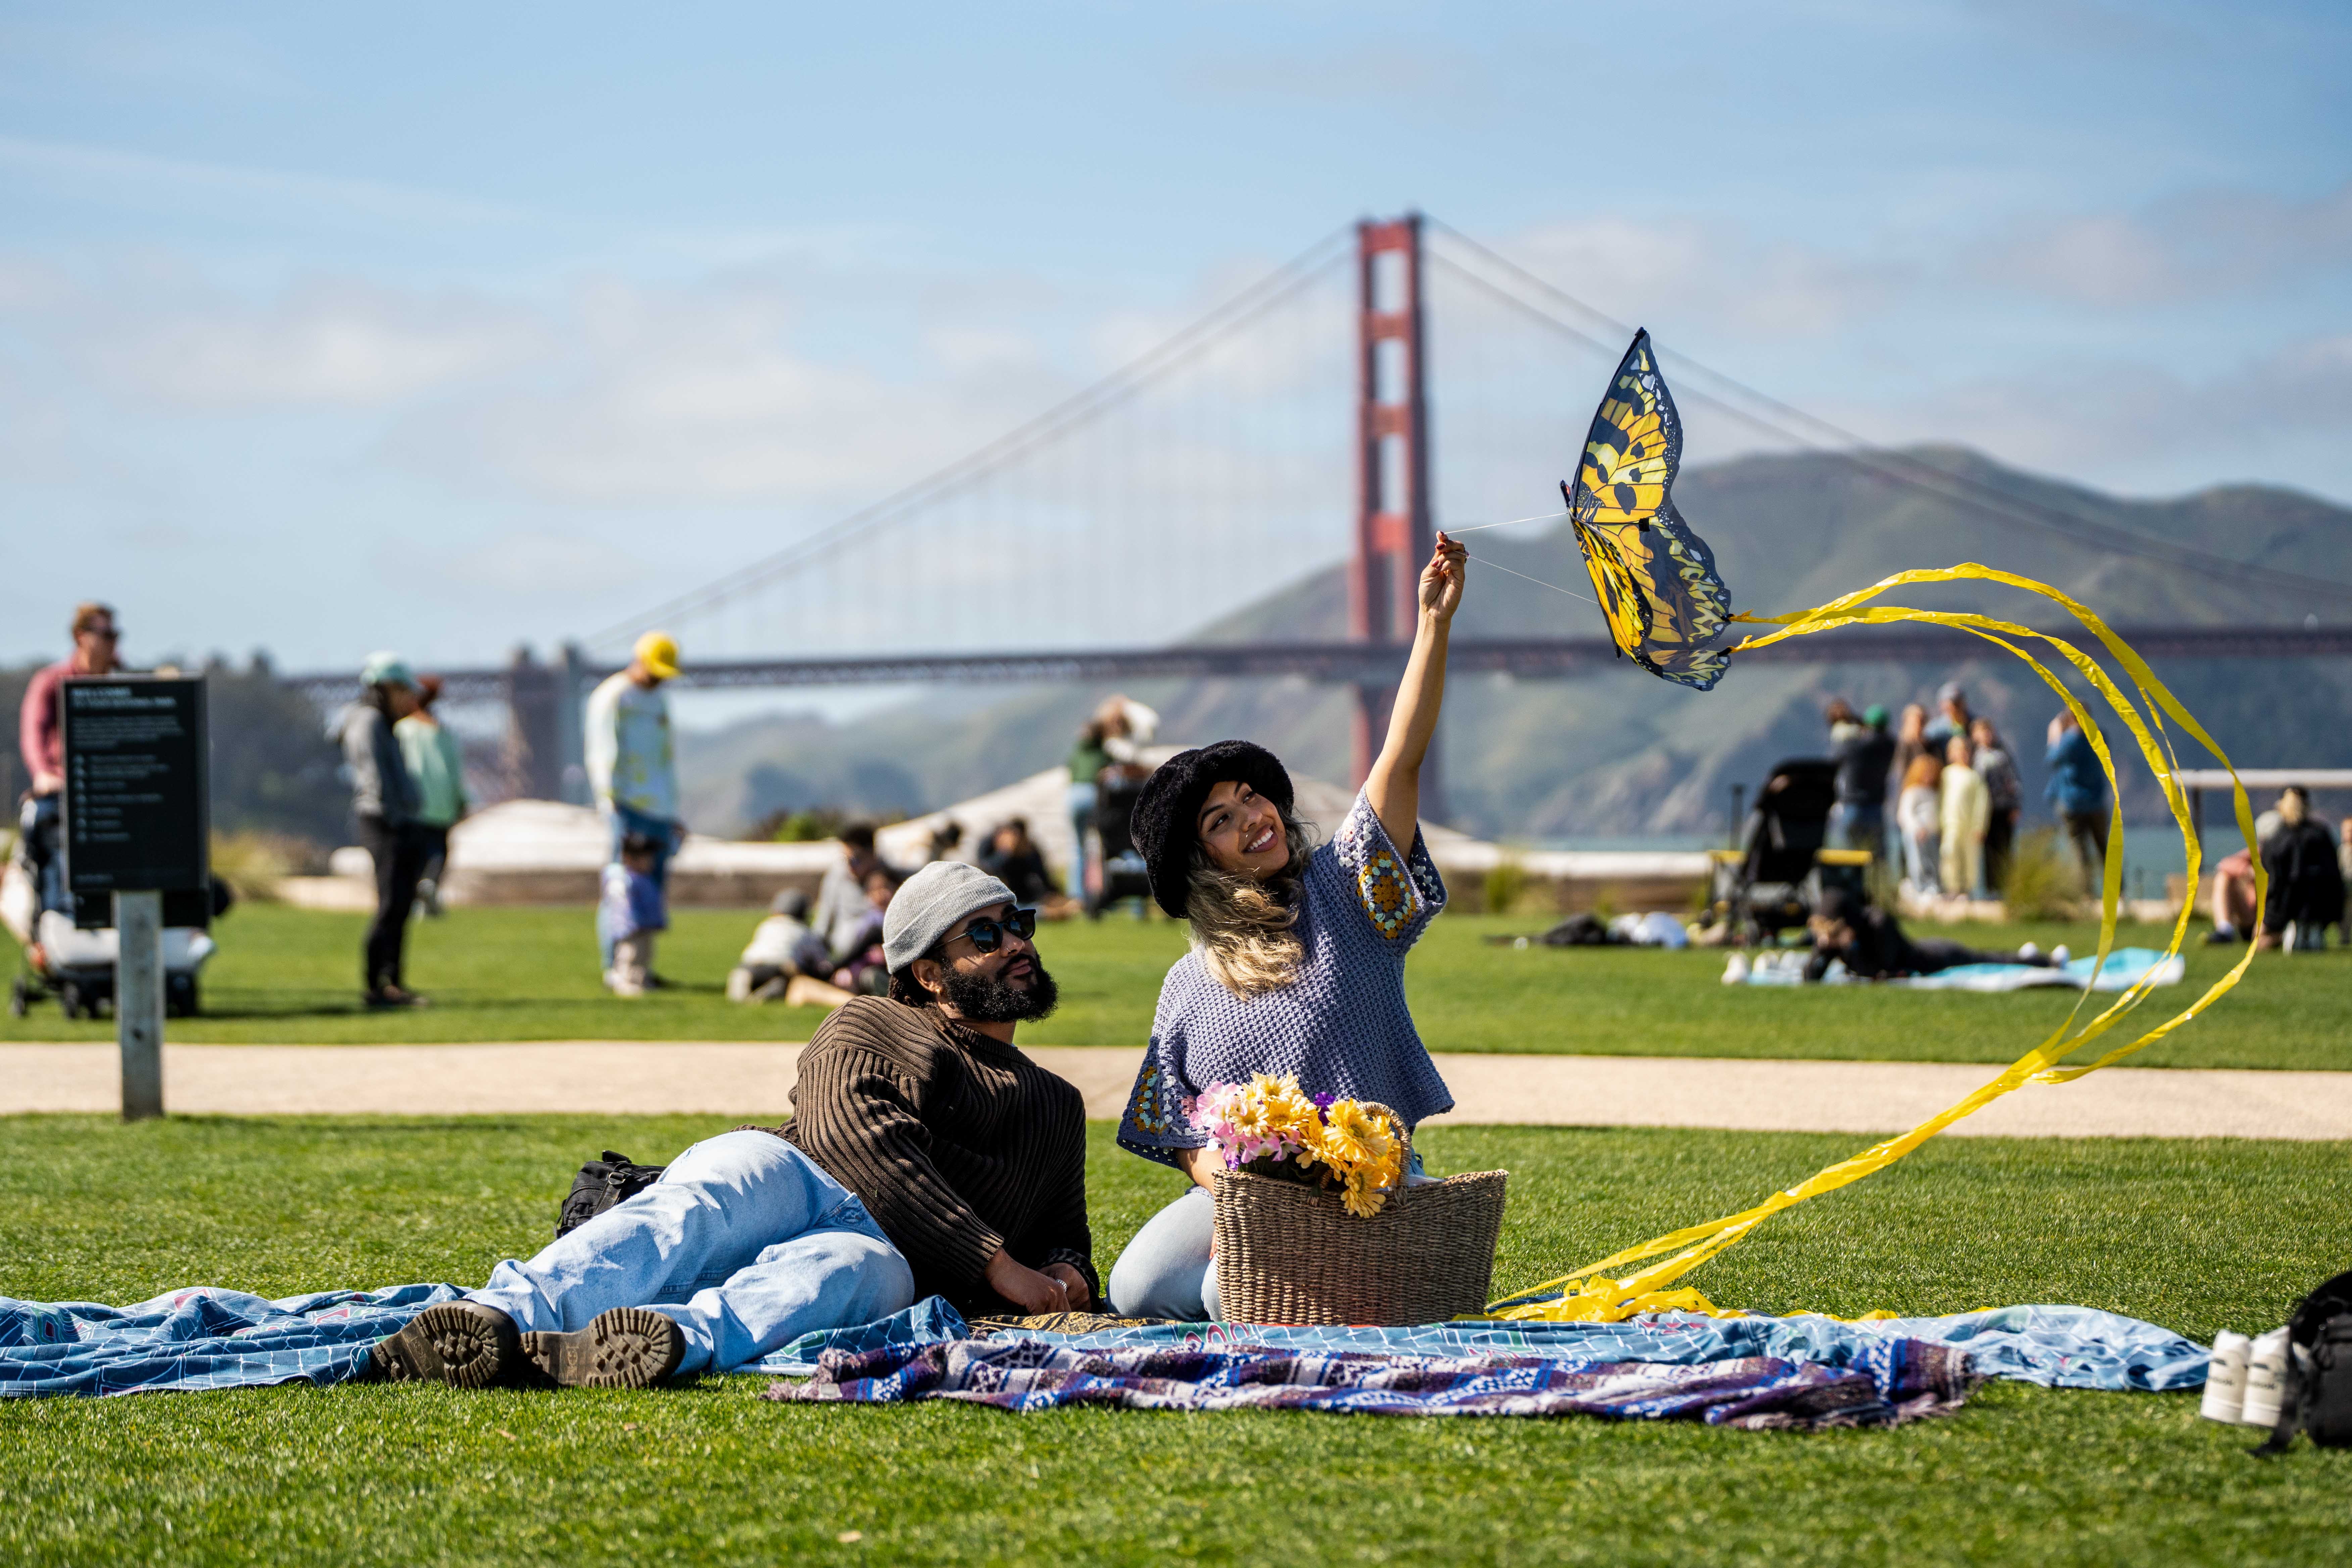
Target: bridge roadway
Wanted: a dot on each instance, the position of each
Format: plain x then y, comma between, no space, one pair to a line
1530,657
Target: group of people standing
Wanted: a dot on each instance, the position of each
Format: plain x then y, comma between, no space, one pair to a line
1957,795
925,1154
408,790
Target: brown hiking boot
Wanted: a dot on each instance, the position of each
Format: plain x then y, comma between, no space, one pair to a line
462,1344
627,1347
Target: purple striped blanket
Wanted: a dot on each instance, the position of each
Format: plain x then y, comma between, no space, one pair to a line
1892,1381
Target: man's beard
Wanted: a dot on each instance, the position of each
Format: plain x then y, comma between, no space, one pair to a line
983,998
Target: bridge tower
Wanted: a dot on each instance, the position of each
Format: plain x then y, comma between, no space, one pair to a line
1395,534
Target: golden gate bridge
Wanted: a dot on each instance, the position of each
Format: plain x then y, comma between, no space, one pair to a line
1288,430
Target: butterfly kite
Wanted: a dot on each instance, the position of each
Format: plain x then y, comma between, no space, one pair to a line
1663,601
1666,609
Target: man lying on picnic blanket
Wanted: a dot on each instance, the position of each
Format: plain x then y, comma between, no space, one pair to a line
925,1155
1872,946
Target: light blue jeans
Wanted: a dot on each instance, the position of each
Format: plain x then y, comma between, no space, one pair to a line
744,1243
1167,1270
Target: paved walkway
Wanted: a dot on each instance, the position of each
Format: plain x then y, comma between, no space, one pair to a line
755,1082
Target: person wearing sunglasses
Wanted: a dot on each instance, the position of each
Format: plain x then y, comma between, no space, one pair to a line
40,736
926,1155
970,1155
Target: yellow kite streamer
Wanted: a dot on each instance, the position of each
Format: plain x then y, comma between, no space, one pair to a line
1592,1294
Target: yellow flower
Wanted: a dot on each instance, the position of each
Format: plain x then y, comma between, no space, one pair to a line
1363,1202
1354,1135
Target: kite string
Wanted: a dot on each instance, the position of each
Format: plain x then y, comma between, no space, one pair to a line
1509,521
1537,581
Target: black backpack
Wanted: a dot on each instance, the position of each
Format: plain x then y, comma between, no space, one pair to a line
600,1184
2318,1389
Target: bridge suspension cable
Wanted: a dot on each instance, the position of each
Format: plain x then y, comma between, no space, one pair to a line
1853,449
1318,260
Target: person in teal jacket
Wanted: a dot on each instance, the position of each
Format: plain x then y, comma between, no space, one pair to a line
431,755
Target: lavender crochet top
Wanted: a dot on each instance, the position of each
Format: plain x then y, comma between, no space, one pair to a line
1343,1026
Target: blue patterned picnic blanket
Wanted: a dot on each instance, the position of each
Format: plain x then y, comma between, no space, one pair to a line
206,1337
2057,1347
201,1337
1891,1381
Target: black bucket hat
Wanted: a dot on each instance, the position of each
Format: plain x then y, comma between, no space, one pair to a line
1164,826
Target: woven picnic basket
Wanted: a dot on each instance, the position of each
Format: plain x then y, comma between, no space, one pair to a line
1292,1253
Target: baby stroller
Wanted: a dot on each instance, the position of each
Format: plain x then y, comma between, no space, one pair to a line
1776,878
77,966
1116,871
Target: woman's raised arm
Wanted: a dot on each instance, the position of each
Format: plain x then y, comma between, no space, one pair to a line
1394,786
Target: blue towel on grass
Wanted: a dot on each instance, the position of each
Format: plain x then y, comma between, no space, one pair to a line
206,1337
2125,968
201,1337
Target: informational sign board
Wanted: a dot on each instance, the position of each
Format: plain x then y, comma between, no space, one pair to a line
137,801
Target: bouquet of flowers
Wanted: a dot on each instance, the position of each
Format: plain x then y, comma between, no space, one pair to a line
1268,1128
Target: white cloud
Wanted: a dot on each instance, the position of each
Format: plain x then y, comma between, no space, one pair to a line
1712,275
2122,415
2197,245
704,393
338,343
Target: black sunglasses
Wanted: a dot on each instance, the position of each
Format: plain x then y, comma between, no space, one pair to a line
987,936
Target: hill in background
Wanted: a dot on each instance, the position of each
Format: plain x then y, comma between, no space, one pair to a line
1620,753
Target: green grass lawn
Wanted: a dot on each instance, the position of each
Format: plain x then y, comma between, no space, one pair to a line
2198,1236
287,974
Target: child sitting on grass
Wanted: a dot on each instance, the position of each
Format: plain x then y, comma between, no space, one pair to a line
785,961
628,914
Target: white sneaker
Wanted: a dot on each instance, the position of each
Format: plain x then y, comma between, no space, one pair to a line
1736,971
2029,950
2061,954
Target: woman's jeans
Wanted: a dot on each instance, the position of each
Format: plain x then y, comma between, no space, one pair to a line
1167,1270
744,1243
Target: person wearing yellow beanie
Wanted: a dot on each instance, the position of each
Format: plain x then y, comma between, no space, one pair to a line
632,759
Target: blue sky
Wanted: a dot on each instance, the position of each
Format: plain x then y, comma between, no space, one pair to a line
449,327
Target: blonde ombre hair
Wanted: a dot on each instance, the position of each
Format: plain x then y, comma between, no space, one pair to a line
1245,931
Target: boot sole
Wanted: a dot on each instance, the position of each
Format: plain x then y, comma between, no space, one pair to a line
457,1343
627,1347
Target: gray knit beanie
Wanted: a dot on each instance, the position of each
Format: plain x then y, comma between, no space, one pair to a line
931,901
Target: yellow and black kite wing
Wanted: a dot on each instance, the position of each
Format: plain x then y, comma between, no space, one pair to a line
1664,604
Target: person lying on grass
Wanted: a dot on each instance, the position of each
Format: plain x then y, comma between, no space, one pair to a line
1872,945
1297,954
926,1154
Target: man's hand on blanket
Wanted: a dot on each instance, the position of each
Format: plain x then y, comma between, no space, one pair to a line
1075,1283
1059,1288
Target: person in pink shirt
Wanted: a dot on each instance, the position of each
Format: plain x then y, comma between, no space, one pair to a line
40,736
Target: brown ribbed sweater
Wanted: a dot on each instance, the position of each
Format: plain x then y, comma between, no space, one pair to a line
958,1143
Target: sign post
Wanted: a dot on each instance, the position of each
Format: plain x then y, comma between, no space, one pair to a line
137,814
